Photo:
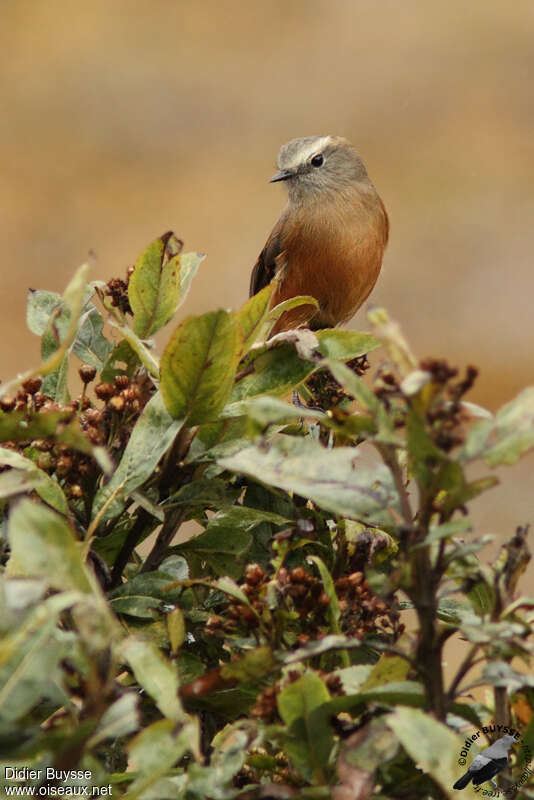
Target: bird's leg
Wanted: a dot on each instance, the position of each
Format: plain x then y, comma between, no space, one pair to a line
297,401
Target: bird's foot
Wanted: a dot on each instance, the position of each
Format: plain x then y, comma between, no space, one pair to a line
297,402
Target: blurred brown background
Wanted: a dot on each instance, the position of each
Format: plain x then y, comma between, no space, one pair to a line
123,119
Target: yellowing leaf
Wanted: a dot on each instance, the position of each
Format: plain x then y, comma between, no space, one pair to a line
159,283
198,366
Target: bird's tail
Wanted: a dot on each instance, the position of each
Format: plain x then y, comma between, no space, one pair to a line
462,782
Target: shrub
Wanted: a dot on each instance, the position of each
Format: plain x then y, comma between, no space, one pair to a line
266,656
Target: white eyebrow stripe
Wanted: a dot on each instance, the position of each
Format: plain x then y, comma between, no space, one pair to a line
315,147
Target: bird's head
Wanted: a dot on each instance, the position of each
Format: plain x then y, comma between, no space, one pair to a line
315,165
507,740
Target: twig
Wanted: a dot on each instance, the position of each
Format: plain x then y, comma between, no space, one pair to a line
463,669
164,538
128,546
389,455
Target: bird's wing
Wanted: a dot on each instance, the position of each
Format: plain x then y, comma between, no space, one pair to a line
479,762
489,770
269,259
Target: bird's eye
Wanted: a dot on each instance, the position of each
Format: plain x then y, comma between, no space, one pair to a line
318,160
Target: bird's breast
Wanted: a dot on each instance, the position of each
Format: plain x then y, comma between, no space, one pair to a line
334,253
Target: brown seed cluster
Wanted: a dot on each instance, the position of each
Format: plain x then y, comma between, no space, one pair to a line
444,415
117,290
303,606
28,398
265,707
125,398
326,391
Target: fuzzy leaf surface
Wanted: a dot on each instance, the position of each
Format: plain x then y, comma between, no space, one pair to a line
334,479
198,366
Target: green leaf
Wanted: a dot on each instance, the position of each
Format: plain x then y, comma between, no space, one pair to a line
159,283
141,349
446,530
334,479
379,544
293,302
120,719
455,491
17,482
154,751
230,749
219,540
42,544
407,693
253,315
16,427
506,438
60,338
203,492
424,455
49,490
154,285
354,386
55,384
302,706
431,744
144,595
275,371
40,305
223,549
265,410
176,629
388,669
137,606
231,588
499,673
58,425
157,675
176,567
319,646
90,345
153,434
252,666
30,655
342,345
364,751
244,518
328,583
189,264
56,329
123,360
482,597
198,366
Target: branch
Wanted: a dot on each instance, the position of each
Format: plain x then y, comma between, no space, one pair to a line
128,546
468,662
389,454
164,538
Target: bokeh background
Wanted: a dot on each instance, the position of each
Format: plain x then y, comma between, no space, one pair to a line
123,119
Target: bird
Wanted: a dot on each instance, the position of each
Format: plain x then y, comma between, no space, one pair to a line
487,763
330,238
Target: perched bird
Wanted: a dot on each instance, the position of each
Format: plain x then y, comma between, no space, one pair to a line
330,238
487,763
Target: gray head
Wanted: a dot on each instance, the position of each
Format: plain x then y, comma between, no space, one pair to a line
318,164
506,740
499,748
